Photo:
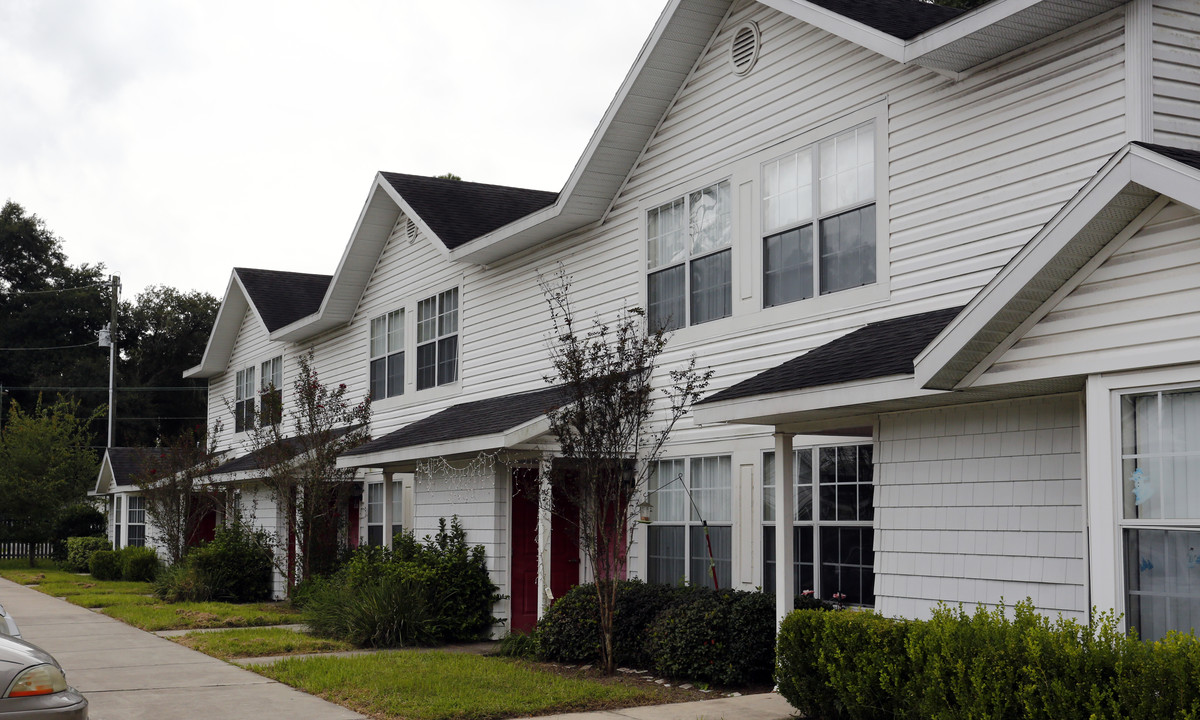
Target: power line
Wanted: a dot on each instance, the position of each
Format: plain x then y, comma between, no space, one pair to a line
59,347
50,388
54,290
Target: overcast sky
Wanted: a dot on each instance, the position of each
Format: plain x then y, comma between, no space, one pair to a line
172,140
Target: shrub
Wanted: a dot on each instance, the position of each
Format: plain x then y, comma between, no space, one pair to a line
80,549
984,665
570,629
725,637
105,565
138,564
458,588
388,612
518,644
236,566
180,583
80,520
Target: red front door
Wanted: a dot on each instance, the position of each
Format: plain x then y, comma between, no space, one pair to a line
524,551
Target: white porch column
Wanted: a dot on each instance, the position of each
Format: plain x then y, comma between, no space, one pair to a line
388,520
785,597
544,523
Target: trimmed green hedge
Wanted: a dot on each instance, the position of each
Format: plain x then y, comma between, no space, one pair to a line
725,637
983,666
80,549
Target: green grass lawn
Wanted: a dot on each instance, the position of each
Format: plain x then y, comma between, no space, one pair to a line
258,642
109,599
442,686
197,615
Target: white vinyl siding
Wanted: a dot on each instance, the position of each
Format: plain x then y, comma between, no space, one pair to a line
1141,303
1176,63
980,503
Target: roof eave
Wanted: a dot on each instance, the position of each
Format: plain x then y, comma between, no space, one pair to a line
407,457
224,333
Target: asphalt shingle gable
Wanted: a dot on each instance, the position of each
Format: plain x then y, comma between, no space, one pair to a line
904,19
876,350
459,211
281,297
126,463
472,419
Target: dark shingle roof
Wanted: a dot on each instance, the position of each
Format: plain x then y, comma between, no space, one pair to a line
282,298
482,417
876,350
1187,157
126,463
253,460
904,19
459,211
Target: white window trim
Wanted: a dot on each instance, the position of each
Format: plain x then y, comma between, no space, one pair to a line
408,303
129,524
436,297
385,317
263,387
241,395
745,176
1102,473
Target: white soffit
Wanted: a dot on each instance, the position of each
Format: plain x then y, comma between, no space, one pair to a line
1111,200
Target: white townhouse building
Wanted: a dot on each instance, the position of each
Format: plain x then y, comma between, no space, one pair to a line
945,266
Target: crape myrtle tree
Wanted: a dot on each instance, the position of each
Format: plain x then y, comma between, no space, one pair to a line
611,431
173,479
297,455
46,465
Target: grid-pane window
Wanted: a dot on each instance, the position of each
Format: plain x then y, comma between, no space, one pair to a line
137,521
387,355
818,215
1160,466
684,494
689,260
243,400
832,539
437,340
270,390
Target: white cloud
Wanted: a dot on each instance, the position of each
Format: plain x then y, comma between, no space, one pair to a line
177,139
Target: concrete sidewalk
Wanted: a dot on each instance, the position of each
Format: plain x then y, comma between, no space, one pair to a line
130,674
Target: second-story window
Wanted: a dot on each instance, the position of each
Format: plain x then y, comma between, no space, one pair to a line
271,391
387,355
689,259
818,206
243,400
437,340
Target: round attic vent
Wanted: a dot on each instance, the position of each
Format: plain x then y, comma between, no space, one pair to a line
410,230
743,51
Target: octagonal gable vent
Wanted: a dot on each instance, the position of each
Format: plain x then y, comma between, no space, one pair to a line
743,51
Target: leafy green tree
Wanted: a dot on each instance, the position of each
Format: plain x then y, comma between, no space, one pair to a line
46,464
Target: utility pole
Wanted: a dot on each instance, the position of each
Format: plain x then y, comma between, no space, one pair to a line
108,336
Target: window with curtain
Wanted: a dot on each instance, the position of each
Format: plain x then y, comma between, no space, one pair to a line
677,546
243,400
689,258
832,539
818,218
387,355
136,529
375,526
1160,510
271,390
437,340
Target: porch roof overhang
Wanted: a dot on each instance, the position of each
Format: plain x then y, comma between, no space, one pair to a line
463,430
117,469
249,466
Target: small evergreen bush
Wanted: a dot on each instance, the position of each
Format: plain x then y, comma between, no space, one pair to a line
236,566
725,637
105,565
138,564
80,549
